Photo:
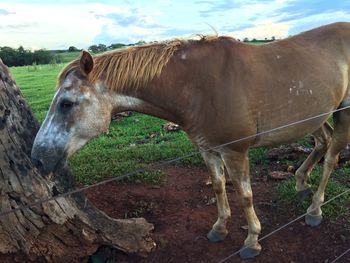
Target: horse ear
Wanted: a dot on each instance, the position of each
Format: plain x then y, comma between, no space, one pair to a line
86,62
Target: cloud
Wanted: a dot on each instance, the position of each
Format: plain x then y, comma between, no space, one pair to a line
52,24
309,22
261,31
4,12
215,7
123,20
298,9
17,26
179,32
129,25
239,15
48,25
126,20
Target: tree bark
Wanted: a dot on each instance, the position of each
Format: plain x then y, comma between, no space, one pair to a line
67,229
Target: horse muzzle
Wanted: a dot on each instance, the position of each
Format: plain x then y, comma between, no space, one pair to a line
46,160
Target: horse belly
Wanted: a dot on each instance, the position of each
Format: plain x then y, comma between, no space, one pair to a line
288,132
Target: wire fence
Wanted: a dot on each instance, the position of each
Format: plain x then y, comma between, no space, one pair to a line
285,225
341,255
171,161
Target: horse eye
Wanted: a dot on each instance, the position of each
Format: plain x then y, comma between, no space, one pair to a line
66,104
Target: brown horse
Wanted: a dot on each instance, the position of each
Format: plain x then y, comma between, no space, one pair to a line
218,90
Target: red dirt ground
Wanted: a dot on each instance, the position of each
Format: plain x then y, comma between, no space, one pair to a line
183,211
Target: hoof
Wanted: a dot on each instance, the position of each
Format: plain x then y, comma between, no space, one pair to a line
302,195
250,252
215,236
312,220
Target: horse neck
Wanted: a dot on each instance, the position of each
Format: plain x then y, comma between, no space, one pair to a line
152,100
168,96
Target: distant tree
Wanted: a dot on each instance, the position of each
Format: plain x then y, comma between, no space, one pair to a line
25,57
72,49
273,38
116,46
9,56
93,48
21,56
141,42
42,56
98,48
21,50
102,48
245,39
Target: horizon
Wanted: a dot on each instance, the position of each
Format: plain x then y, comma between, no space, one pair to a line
36,24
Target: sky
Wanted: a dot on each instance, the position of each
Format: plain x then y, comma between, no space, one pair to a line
50,24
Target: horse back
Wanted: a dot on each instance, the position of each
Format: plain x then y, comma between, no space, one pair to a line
251,89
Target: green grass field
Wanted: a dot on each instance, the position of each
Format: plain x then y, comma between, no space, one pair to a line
139,140
69,56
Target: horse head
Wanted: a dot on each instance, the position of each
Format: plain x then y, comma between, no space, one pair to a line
80,110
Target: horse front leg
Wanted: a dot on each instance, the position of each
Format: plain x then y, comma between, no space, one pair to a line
237,165
216,169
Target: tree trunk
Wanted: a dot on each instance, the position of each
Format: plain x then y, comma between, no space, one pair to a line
67,229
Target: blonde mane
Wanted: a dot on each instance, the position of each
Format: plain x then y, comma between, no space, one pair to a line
131,67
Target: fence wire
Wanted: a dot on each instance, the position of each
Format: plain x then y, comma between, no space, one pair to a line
155,166
285,225
342,255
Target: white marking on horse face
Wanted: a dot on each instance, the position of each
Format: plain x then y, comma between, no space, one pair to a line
278,56
51,135
48,130
67,82
100,87
183,56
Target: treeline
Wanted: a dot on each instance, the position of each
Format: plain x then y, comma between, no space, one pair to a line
21,57
103,48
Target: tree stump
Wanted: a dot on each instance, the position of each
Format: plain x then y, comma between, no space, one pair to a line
67,229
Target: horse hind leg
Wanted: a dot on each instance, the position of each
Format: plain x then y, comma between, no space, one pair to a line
339,140
322,139
216,169
237,165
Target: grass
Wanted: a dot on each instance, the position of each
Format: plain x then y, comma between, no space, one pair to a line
334,210
37,84
69,56
139,140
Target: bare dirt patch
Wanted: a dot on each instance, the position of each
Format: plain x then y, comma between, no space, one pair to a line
183,211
